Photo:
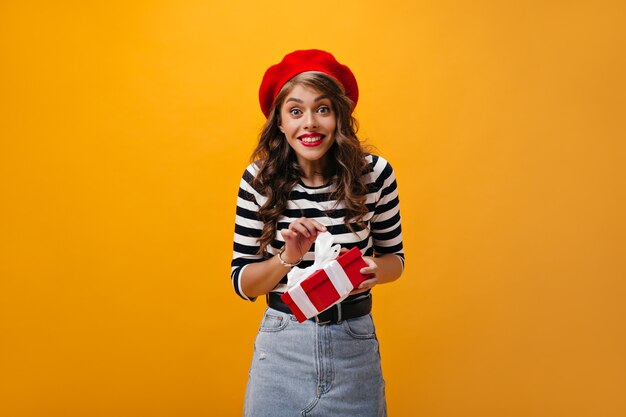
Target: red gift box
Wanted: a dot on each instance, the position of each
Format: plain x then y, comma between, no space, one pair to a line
319,288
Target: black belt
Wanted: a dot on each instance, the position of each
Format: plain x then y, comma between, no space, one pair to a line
348,309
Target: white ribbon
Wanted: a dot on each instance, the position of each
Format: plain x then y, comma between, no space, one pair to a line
305,305
338,277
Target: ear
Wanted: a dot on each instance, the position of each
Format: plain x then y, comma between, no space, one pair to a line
281,128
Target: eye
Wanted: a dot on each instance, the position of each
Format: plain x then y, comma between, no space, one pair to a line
323,109
295,111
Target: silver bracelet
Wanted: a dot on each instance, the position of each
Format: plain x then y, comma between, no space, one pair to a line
283,262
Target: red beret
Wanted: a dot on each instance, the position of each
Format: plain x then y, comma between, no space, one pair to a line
302,61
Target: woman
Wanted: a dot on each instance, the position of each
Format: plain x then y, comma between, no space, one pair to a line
309,175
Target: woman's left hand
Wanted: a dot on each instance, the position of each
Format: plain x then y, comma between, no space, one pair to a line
371,269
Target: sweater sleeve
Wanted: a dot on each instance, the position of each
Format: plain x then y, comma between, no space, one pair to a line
248,230
386,222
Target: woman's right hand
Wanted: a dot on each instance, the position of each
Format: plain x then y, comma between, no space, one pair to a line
299,237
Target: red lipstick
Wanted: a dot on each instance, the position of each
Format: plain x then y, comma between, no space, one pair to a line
311,139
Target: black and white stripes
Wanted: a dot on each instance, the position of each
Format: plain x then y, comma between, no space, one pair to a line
383,234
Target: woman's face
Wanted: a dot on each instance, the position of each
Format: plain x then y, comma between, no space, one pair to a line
308,121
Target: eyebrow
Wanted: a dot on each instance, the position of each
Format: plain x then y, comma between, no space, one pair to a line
297,100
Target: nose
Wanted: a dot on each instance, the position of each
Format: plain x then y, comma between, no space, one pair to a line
310,121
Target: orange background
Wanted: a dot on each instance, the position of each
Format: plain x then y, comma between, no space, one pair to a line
125,127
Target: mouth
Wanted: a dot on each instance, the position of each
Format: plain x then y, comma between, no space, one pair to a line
311,139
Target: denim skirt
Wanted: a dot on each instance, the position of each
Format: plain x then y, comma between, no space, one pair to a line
315,370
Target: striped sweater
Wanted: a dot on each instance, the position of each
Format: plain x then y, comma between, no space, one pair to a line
382,235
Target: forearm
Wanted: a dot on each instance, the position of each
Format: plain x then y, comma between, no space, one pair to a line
261,277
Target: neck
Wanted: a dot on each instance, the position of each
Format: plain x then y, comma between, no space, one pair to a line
313,172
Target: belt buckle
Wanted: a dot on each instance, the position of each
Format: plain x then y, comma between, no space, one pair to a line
331,320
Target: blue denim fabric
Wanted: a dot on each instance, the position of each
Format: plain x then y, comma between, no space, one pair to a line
306,369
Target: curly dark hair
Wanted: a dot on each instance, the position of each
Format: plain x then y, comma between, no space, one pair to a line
279,171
